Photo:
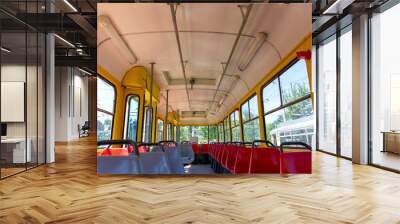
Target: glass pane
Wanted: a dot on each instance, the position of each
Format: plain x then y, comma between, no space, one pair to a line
41,99
132,117
160,128
272,123
18,152
105,95
251,131
235,134
227,133
32,100
245,111
346,94
213,133
221,133
184,133
253,104
294,82
104,126
385,84
199,134
271,96
169,137
147,125
293,123
299,123
327,96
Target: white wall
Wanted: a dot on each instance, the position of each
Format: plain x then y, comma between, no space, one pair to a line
71,102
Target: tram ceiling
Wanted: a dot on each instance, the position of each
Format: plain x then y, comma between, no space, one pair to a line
206,45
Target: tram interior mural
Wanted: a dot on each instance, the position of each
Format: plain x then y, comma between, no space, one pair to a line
217,88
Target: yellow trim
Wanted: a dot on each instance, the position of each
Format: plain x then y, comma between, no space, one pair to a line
119,102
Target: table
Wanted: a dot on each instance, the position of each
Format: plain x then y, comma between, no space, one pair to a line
391,141
13,150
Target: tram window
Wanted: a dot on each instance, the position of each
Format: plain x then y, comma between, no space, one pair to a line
251,128
293,119
105,109
271,96
169,137
235,126
144,131
212,135
221,132
131,117
160,128
293,123
294,82
201,134
227,133
197,134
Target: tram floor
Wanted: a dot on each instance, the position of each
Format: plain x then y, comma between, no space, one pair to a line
70,191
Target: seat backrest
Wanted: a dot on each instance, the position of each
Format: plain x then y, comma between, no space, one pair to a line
296,162
297,159
230,162
195,148
154,162
186,153
265,160
174,160
204,148
118,164
242,162
113,152
225,153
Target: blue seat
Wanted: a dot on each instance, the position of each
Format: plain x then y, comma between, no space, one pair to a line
186,153
118,164
174,160
154,162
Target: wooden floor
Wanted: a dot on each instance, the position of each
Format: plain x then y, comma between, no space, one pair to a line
69,191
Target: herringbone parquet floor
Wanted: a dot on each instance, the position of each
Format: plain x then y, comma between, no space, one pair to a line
69,191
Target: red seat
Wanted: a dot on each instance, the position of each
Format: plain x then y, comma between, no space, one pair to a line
296,162
265,160
195,148
220,153
143,149
113,152
230,162
242,162
224,156
204,148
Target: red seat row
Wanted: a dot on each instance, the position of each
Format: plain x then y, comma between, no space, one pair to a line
200,148
240,159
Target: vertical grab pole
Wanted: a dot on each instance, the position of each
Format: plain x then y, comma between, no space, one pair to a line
166,118
149,111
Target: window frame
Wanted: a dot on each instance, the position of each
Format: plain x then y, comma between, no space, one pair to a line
282,106
114,105
125,131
